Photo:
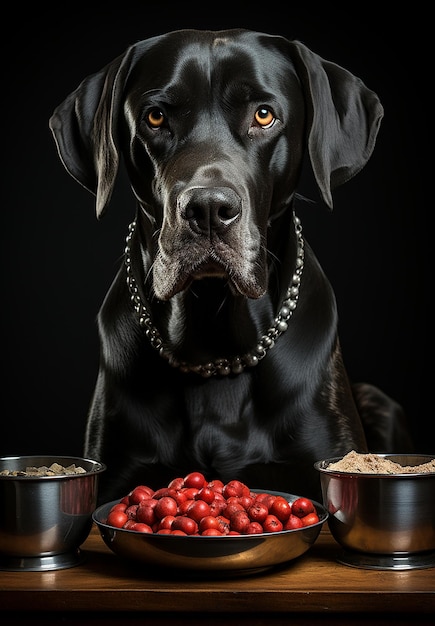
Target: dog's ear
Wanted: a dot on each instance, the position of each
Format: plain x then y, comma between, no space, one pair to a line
85,129
343,119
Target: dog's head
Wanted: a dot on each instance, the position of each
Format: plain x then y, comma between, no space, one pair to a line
213,127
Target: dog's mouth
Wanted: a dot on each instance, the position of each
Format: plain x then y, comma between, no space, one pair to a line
208,270
174,270
214,270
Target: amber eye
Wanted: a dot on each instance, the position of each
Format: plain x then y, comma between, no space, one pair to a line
264,117
155,118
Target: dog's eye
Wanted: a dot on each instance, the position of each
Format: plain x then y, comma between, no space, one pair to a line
155,118
264,117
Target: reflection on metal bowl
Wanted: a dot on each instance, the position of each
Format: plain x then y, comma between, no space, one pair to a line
382,521
44,519
235,553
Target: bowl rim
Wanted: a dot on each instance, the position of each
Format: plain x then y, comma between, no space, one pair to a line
323,517
322,466
98,466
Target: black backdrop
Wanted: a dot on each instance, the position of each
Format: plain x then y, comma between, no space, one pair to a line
58,260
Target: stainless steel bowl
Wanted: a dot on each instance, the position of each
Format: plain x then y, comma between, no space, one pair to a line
235,554
382,521
44,519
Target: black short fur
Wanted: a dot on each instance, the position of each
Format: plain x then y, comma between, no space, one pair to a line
213,128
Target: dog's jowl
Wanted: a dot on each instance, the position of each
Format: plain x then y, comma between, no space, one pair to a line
219,346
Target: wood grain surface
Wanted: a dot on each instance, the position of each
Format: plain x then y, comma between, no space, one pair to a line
314,588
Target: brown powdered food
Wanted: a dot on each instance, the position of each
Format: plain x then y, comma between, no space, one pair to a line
358,463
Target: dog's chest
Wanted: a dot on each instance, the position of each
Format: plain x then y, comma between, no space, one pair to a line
226,414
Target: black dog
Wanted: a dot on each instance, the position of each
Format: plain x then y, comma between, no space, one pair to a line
219,347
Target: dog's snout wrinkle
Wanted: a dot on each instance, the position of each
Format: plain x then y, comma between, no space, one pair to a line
210,209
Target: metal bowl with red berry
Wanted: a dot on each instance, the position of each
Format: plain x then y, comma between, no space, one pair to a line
199,525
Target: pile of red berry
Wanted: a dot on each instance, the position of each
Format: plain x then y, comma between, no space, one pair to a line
194,506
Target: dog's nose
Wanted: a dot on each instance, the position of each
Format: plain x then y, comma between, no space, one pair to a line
209,209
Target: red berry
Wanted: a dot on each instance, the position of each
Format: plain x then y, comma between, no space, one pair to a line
208,522
165,506
205,493
239,521
138,494
117,519
258,512
310,519
234,488
302,506
194,479
254,528
186,524
293,522
281,508
272,524
198,509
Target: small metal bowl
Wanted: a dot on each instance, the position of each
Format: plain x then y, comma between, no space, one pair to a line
382,521
232,554
44,519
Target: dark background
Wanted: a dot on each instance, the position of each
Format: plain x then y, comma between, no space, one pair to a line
58,260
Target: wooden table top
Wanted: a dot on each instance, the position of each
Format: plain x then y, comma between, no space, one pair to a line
313,586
